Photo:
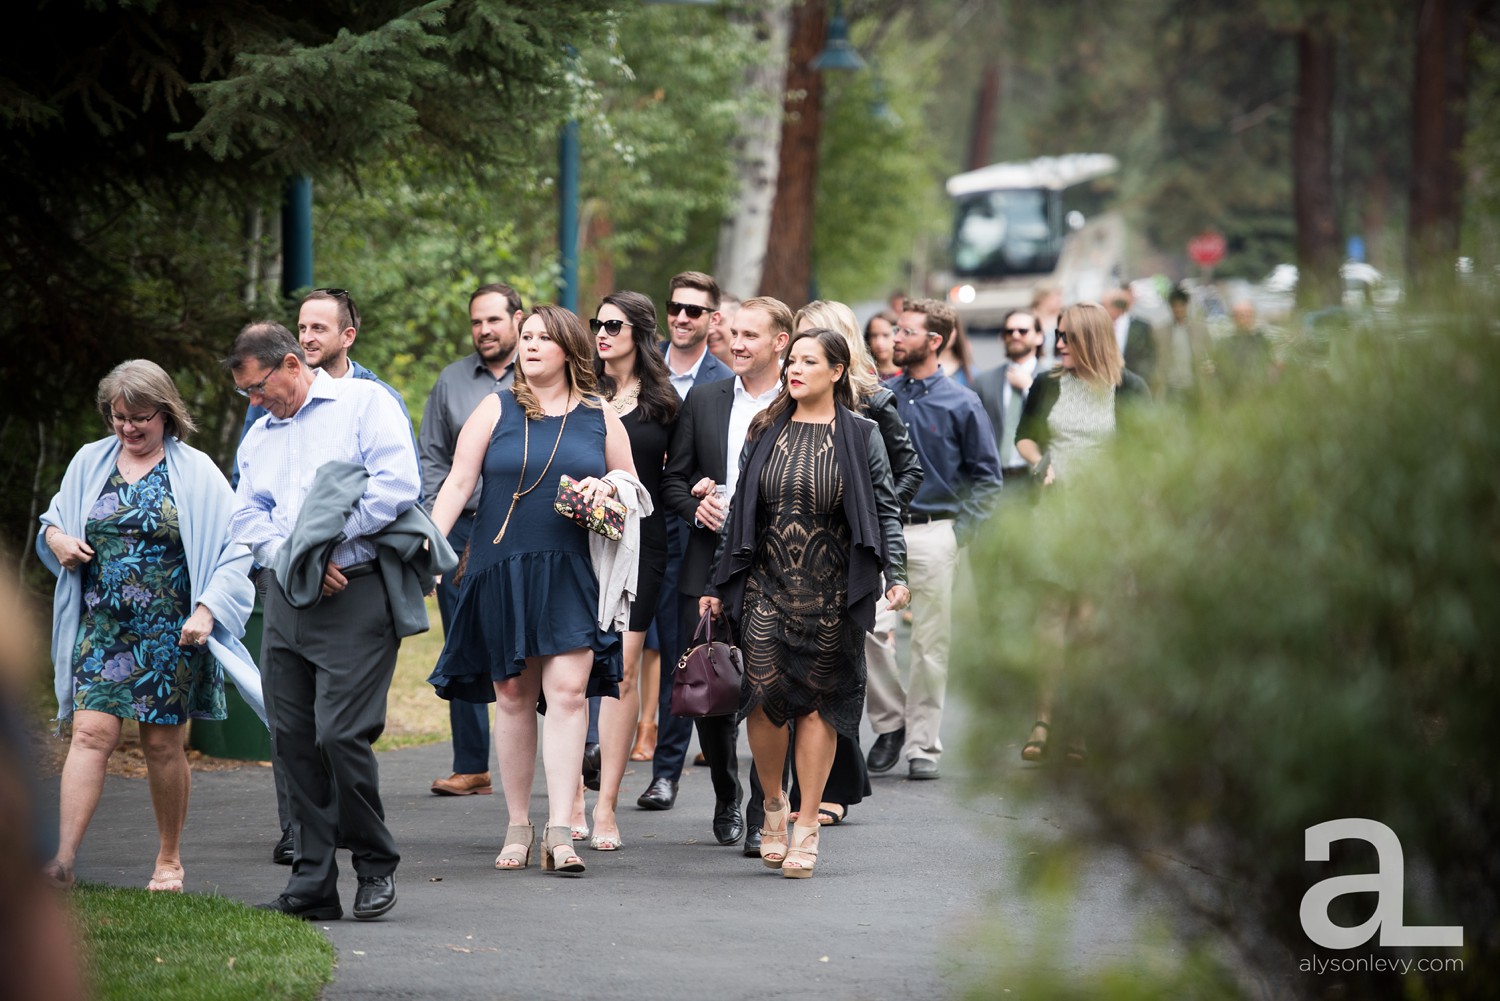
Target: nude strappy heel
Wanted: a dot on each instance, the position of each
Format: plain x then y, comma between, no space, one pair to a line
516,853
805,844
773,840
557,850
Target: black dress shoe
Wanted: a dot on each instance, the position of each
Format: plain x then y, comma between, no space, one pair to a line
729,825
752,841
375,896
282,853
591,760
659,795
885,750
307,910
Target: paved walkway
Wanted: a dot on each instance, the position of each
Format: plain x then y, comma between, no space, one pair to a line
901,893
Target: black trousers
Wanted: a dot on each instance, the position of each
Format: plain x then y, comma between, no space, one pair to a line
327,672
848,781
674,733
717,735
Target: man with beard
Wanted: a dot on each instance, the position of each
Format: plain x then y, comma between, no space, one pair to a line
960,479
495,316
1003,390
692,311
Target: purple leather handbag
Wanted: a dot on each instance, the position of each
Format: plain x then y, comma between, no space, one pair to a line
707,679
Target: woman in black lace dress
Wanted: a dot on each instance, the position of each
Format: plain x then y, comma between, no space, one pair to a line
849,779
813,523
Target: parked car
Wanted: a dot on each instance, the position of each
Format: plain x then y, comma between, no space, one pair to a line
1367,292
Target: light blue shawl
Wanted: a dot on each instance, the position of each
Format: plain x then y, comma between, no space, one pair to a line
217,568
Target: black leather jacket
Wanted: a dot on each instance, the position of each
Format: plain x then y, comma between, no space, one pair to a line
905,464
872,504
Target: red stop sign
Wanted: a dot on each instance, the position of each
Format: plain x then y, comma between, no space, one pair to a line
1206,249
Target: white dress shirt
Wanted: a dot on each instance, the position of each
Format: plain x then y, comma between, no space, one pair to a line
341,420
741,413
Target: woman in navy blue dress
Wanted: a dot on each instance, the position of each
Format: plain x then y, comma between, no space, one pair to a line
527,615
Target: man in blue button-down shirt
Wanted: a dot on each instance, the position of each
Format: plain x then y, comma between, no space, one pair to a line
327,668
960,480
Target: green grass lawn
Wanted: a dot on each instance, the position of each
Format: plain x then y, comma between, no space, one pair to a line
414,714
169,946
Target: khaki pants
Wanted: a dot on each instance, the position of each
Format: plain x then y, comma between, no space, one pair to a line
931,561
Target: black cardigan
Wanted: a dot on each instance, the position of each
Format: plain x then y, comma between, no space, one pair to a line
1043,396
877,542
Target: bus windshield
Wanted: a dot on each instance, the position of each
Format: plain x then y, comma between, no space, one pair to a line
1005,232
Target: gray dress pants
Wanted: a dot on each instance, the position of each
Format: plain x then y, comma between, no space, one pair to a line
326,672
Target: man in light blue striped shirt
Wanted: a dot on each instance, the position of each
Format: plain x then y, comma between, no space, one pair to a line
327,668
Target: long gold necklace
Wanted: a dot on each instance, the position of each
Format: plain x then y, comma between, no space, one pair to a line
525,454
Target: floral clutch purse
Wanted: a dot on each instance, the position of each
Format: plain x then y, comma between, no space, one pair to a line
607,517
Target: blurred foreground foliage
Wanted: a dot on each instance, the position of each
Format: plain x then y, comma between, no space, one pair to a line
1284,615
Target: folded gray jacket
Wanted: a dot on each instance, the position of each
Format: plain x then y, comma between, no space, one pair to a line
409,551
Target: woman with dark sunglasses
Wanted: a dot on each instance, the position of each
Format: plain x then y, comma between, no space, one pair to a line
633,380
1071,413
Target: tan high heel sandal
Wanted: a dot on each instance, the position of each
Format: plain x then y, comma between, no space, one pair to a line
517,848
806,841
645,742
557,850
773,841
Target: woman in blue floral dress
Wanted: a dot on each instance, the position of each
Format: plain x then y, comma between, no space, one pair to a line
151,600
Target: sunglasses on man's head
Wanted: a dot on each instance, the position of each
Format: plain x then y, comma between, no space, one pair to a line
1017,331
343,293
693,312
610,327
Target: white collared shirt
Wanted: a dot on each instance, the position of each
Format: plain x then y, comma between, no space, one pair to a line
1122,331
684,382
741,413
340,420
1015,402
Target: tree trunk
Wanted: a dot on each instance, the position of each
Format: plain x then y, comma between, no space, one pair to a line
1440,91
1318,251
985,105
788,269
744,235
597,256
